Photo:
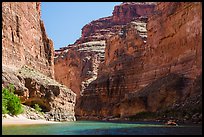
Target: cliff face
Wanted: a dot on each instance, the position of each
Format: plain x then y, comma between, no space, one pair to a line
128,11
80,61
124,13
179,44
162,73
24,40
28,61
77,66
116,74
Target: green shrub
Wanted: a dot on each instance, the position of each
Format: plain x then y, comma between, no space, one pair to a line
5,98
4,106
10,102
37,108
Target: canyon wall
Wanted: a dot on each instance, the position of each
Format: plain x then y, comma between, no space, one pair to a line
151,75
152,61
24,40
77,65
128,11
28,61
124,13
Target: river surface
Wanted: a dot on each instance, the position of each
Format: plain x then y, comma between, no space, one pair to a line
102,128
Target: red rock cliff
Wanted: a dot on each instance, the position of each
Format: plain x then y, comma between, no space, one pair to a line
128,11
28,62
124,13
138,77
88,51
77,66
24,40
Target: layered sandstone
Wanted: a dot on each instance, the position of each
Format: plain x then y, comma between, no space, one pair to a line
137,77
28,61
111,83
77,66
80,61
128,11
124,13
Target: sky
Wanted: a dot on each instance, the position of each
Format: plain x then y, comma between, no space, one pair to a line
64,20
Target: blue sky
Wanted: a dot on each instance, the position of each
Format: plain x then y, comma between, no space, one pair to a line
64,20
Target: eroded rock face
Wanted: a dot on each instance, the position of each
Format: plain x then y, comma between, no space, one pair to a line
24,40
28,61
77,66
33,87
138,77
124,13
88,51
179,44
115,75
128,11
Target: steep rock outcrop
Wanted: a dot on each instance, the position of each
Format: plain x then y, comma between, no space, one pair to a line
28,61
24,40
179,44
33,87
115,75
77,66
132,78
88,51
128,11
124,13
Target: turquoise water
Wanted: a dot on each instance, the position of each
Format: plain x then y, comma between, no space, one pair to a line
102,128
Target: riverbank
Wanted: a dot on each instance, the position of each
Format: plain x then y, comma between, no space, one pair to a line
22,120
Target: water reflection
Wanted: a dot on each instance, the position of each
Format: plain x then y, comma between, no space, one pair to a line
102,128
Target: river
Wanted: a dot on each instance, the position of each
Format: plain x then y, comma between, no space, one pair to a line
102,128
